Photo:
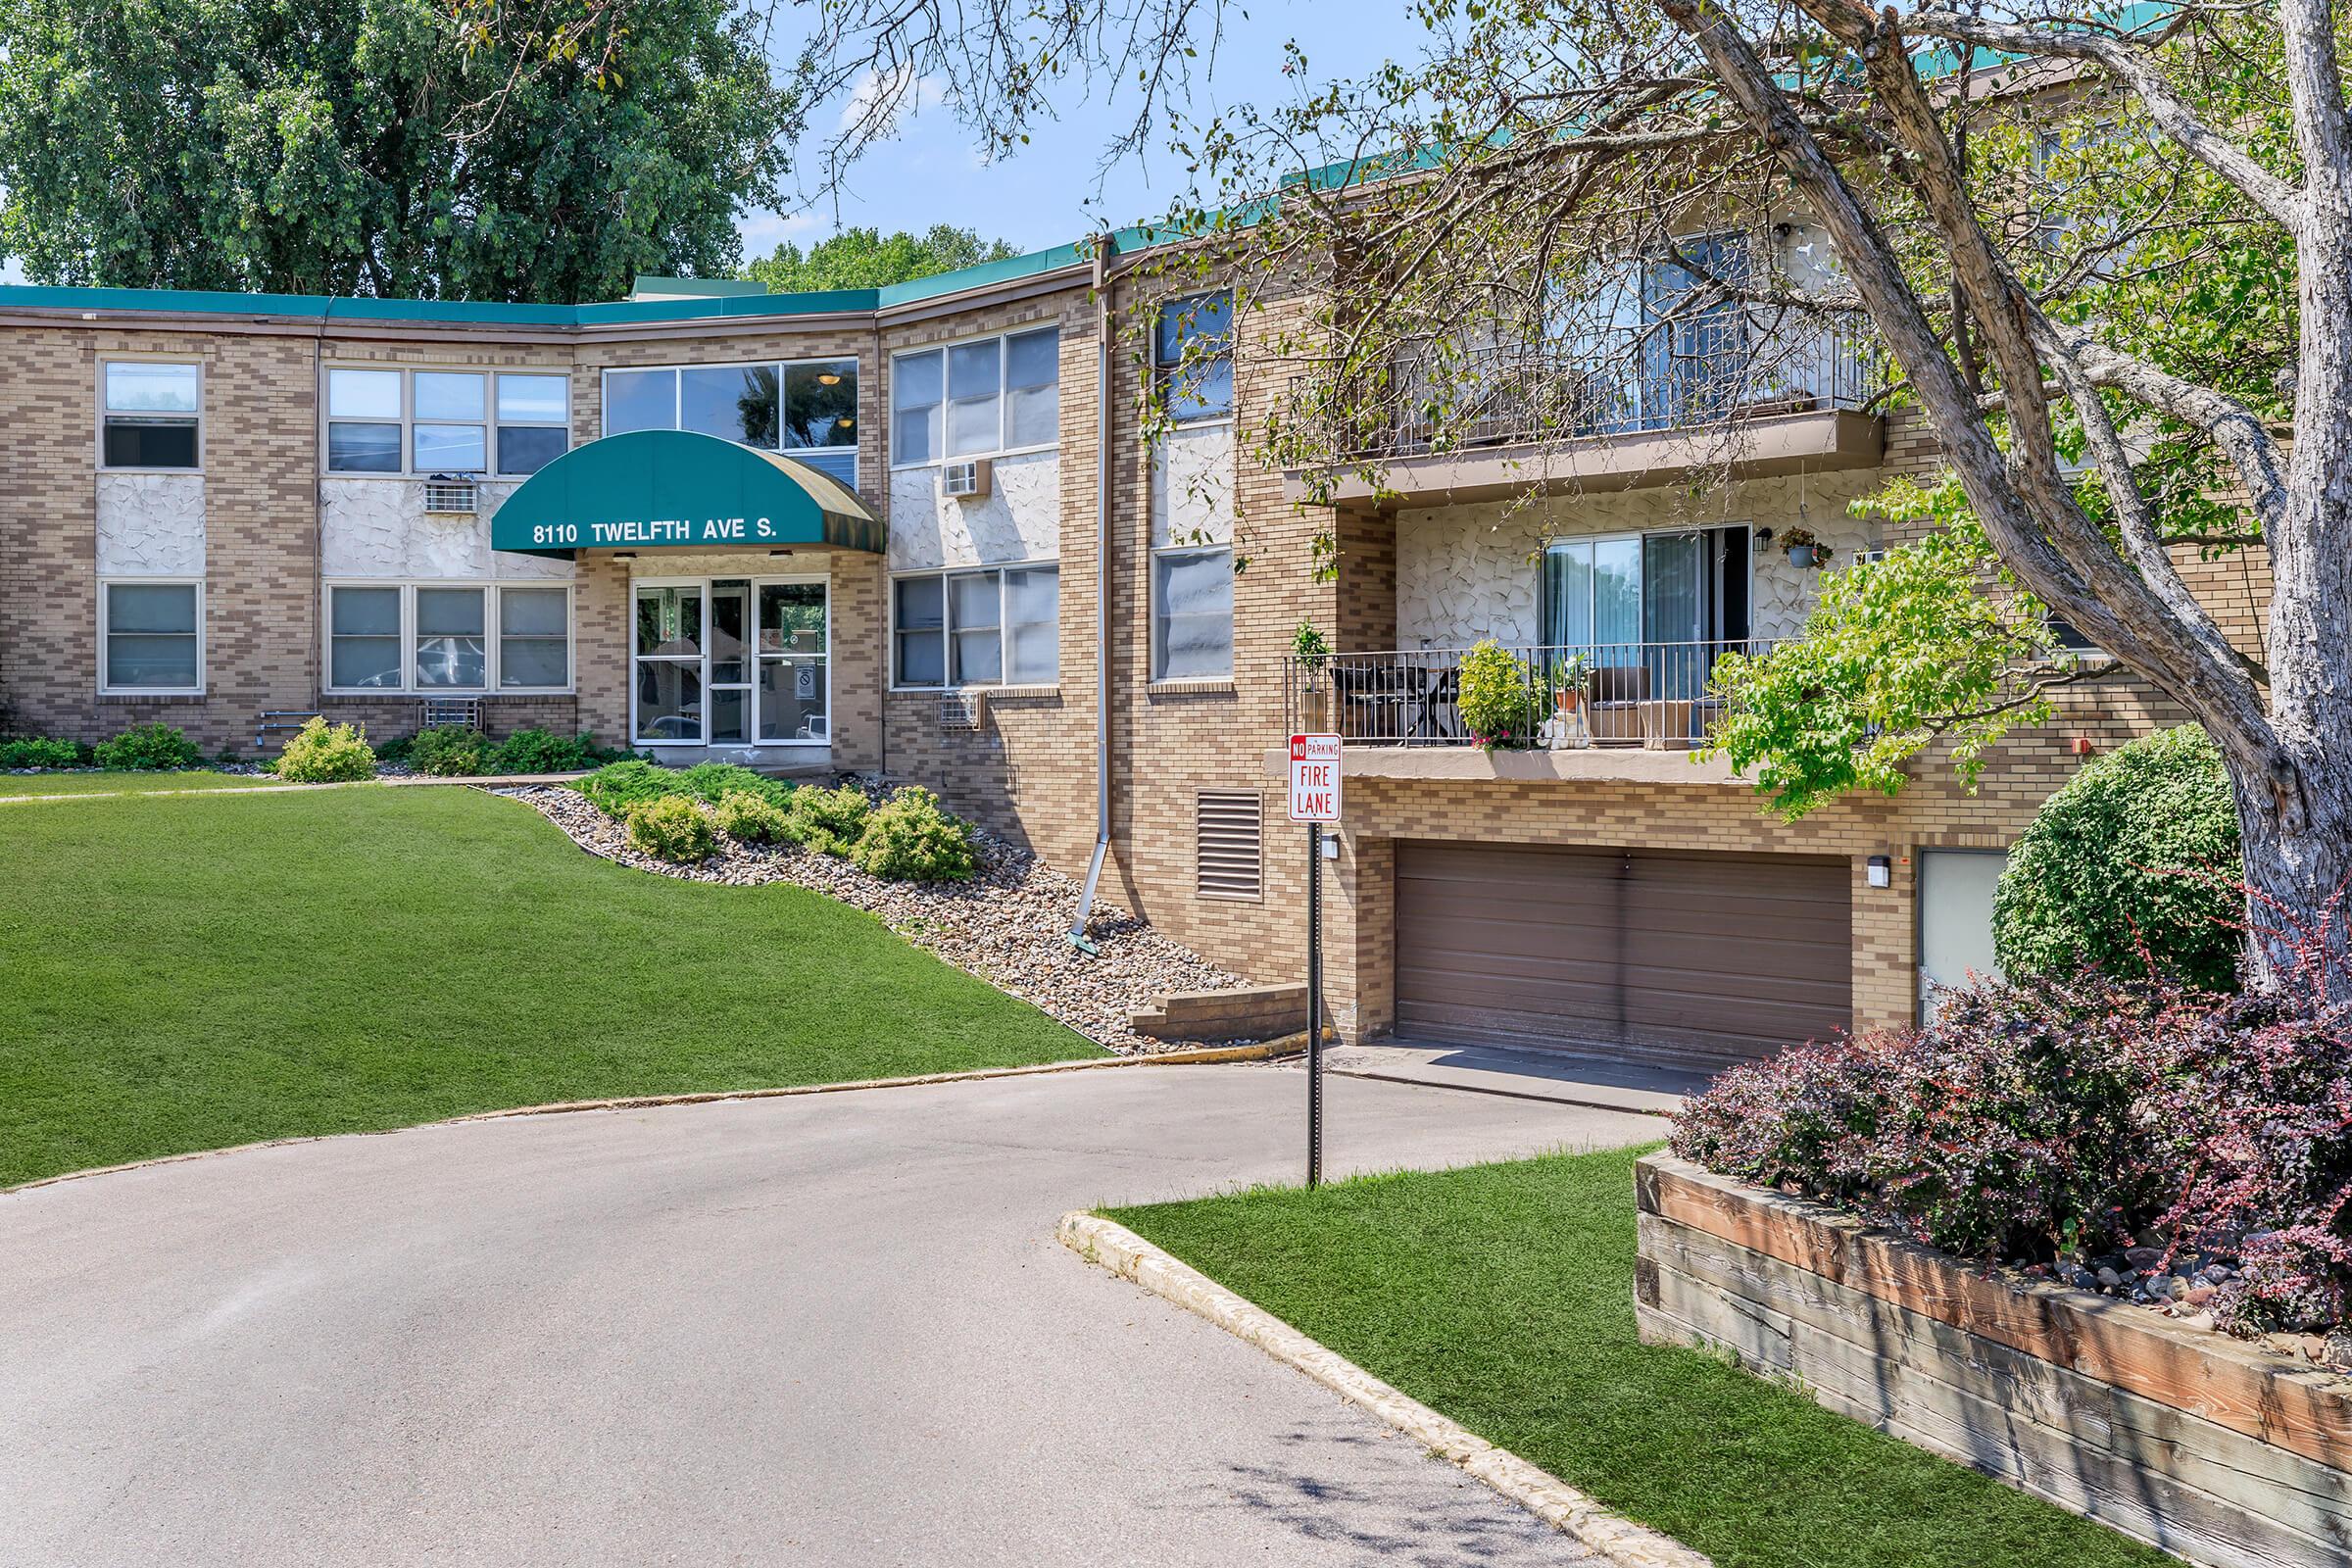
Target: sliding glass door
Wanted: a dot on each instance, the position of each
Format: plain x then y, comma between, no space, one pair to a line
730,662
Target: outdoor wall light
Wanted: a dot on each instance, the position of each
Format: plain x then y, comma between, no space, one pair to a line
1881,871
1763,537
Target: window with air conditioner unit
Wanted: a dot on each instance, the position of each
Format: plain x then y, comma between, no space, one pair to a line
983,398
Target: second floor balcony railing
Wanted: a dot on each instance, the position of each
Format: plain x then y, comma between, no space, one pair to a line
1684,375
1647,694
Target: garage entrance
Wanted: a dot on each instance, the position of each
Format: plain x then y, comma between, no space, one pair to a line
1683,958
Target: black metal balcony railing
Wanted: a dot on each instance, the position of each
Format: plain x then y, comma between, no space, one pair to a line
1626,694
1639,380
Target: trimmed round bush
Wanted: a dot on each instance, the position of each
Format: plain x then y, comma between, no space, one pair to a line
148,748
326,754
1499,701
671,828
2139,849
830,821
450,751
616,786
751,818
912,838
38,752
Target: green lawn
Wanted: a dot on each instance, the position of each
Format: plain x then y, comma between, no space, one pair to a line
180,974
12,784
1502,1295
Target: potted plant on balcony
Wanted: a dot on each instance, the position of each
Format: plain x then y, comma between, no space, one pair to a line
1310,651
1499,701
1568,685
1804,549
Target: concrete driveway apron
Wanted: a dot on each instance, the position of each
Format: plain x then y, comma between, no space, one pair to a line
832,1329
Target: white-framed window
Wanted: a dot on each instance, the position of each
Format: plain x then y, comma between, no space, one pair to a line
151,637
976,399
448,637
150,415
977,626
1192,357
1192,612
804,409
391,420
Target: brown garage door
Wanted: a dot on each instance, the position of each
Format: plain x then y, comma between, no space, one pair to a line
1691,958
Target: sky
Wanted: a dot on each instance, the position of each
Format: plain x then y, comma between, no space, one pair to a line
1054,190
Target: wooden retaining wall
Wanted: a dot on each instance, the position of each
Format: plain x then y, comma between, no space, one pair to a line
2199,1444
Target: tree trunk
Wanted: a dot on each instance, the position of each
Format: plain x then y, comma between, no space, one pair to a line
2294,819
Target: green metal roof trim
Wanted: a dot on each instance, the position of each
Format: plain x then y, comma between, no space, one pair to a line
679,490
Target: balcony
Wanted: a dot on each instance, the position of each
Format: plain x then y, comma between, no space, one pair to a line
1639,710
1641,407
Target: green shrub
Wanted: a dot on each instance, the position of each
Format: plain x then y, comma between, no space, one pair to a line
829,822
753,818
616,786
1498,702
539,751
148,748
910,838
326,754
450,751
671,827
2140,848
709,781
37,751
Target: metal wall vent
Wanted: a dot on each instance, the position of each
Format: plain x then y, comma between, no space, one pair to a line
1228,837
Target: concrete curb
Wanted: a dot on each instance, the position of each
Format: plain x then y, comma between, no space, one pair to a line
1618,1539
1265,1052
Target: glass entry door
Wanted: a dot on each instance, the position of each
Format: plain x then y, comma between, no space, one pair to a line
731,661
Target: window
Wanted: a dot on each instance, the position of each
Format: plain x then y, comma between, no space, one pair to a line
1191,353
1000,393
445,421
1227,827
1191,613
986,627
148,416
807,410
153,635
534,638
438,637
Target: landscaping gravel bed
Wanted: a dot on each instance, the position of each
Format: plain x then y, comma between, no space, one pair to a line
1008,925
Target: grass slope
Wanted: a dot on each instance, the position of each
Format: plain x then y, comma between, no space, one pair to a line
96,783
181,974
1502,1295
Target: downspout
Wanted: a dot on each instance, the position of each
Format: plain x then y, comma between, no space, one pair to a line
1094,869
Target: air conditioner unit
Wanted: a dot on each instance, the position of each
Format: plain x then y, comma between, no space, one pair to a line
965,710
968,480
452,493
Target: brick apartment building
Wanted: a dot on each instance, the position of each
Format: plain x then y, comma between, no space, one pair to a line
890,531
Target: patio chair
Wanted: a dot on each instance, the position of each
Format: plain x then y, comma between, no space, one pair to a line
1620,706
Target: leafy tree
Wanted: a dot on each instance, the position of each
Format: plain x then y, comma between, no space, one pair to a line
866,257
385,147
2129,862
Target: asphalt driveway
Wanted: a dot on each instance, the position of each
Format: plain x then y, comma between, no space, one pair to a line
832,1329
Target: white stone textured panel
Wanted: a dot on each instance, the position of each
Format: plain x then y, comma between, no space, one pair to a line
1472,572
151,524
1192,487
379,528
1018,519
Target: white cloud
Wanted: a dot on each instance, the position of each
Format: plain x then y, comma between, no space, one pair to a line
762,232
875,88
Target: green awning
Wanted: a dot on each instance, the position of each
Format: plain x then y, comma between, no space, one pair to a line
676,490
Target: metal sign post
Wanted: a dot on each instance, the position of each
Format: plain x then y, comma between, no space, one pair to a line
1314,801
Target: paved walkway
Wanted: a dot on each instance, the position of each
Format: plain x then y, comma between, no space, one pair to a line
833,1330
